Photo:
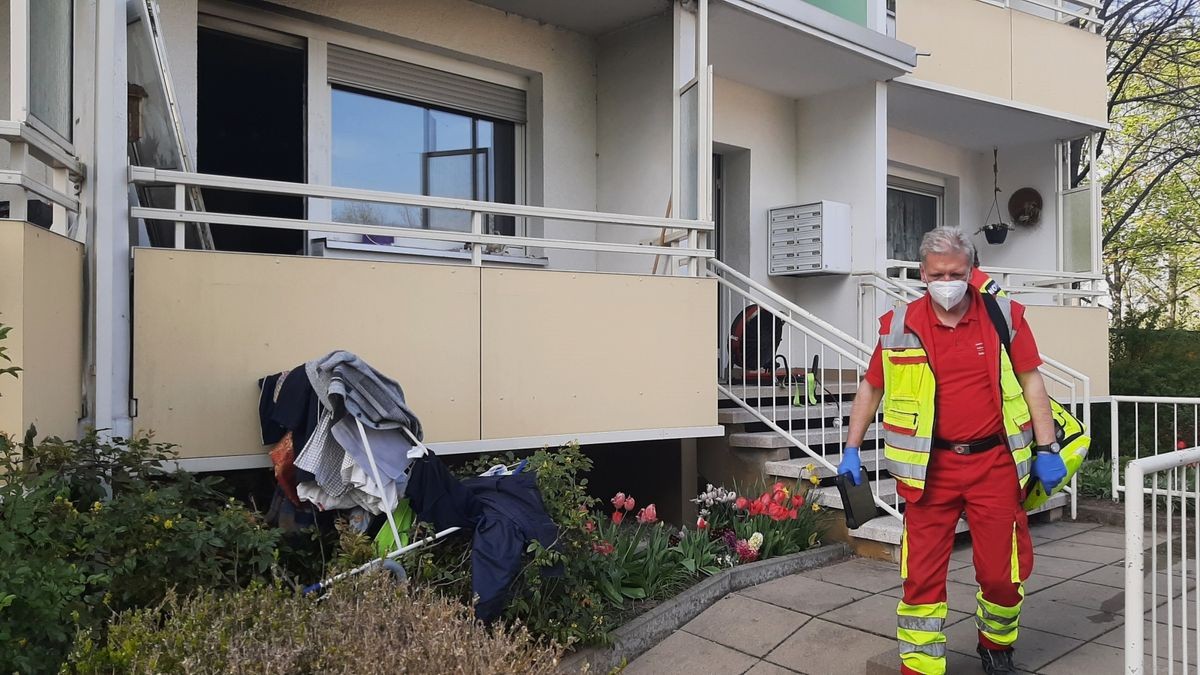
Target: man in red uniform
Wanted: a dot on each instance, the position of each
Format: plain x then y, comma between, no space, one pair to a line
958,431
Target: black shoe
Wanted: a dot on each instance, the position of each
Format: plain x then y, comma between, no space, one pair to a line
996,661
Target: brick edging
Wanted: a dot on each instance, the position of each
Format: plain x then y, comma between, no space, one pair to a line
646,630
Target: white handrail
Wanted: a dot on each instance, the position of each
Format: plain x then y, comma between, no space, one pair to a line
718,266
146,175
1135,557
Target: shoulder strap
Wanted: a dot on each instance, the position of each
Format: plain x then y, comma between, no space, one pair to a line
1000,319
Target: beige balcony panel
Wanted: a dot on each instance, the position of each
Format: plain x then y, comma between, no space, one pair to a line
1076,336
571,352
208,325
41,297
968,42
1058,67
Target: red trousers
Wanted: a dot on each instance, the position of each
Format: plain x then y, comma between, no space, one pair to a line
985,485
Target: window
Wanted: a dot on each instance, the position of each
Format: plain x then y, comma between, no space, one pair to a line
394,145
913,208
51,32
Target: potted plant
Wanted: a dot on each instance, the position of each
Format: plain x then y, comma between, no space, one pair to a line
995,233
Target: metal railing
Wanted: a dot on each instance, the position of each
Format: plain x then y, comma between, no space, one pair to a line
476,239
1082,13
1158,425
29,147
841,361
1065,288
1067,385
1174,491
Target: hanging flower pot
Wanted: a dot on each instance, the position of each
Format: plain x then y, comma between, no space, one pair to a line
995,233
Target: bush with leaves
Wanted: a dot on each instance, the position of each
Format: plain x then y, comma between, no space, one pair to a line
365,626
92,527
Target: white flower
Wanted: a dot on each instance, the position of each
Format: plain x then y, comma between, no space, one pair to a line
755,541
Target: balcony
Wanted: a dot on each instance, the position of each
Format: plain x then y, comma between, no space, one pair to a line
492,358
1039,55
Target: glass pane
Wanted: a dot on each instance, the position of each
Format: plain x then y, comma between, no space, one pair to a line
689,147
50,38
909,216
378,144
451,176
1077,231
449,131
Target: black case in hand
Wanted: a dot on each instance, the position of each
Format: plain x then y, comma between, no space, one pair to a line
857,501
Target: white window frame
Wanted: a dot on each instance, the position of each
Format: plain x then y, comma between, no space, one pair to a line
918,184
319,118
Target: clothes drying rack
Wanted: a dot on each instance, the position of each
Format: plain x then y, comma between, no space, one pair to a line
418,450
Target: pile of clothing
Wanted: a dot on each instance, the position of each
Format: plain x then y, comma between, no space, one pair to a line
345,440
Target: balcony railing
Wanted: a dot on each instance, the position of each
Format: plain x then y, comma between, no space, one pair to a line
1083,14
1064,288
23,180
476,240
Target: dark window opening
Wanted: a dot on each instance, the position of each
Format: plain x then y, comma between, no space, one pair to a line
912,210
251,124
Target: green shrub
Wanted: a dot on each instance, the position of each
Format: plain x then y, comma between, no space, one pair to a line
92,527
365,626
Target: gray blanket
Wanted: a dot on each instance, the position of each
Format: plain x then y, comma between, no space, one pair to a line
372,397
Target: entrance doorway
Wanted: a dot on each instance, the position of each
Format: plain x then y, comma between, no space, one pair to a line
250,123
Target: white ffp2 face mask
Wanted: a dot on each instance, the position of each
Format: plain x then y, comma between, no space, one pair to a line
947,293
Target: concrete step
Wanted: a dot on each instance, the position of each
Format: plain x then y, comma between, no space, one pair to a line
781,413
767,440
796,468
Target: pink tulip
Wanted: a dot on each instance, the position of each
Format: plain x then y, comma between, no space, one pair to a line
629,504
648,515
619,500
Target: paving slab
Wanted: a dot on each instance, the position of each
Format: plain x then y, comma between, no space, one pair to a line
1034,648
1061,618
1083,594
876,614
765,668
1083,552
1114,575
1060,529
1116,638
1094,658
683,652
1060,567
746,624
821,647
862,574
1101,538
801,593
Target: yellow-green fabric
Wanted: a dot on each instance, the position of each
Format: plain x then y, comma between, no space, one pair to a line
997,622
909,394
919,634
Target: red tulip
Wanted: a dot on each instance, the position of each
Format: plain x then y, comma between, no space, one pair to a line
603,547
589,526
779,497
617,517
618,500
741,504
629,503
793,514
777,486
701,523
797,500
648,515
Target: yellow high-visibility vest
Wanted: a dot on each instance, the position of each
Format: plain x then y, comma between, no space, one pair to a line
909,400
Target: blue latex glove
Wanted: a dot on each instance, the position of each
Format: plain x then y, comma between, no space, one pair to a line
852,465
1049,468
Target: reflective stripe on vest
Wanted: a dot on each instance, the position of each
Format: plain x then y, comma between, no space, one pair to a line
909,395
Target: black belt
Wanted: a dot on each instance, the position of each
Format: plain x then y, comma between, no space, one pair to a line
970,447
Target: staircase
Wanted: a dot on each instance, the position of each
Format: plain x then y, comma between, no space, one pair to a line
767,432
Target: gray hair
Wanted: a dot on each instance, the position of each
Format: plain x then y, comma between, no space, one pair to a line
947,240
